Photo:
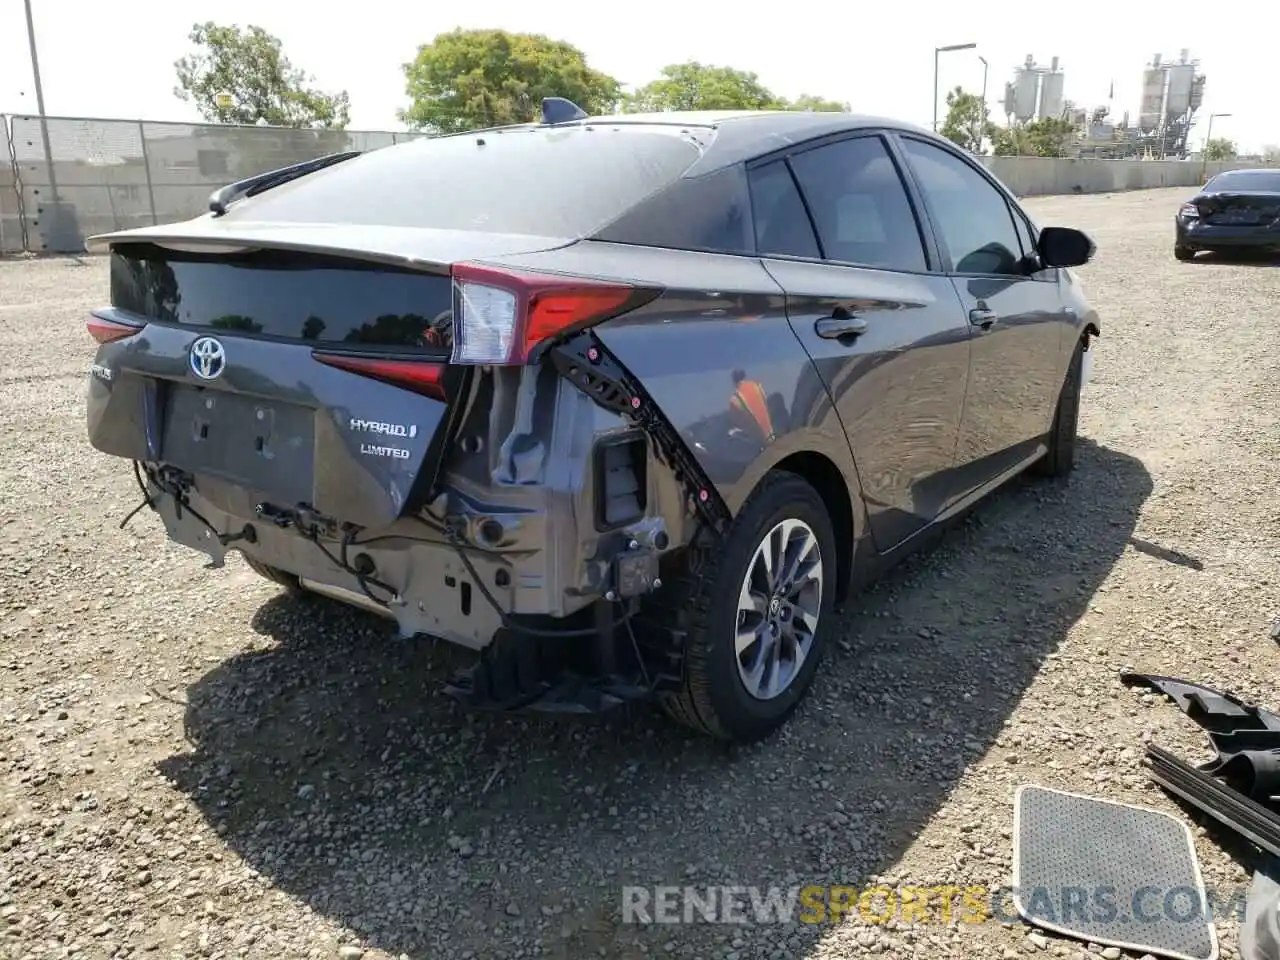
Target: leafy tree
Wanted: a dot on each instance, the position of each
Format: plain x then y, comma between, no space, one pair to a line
698,86
1046,137
968,121
1010,141
1220,148
1050,136
469,79
250,67
817,105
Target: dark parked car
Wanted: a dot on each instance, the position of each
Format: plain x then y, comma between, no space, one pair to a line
622,404
1236,211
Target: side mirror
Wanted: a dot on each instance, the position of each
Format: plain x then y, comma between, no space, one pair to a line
1064,247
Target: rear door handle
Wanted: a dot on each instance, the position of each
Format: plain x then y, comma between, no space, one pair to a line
982,318
834,328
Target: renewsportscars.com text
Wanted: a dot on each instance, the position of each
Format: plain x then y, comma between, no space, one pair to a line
943,904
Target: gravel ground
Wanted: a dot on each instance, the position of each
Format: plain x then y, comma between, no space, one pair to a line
193,765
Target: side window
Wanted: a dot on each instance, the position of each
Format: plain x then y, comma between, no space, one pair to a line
693,213
1025,238
859,205
782,226
973,218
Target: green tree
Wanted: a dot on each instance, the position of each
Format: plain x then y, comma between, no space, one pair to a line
817,104
1046,137
250,68
1220,148
470,79
1051,136
968,121
698,86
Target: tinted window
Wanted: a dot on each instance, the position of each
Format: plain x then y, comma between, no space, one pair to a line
700,213
283,294
781,224
1245,181
551,183
1025,239
859,205
972,216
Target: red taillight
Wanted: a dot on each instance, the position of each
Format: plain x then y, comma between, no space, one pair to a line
104,330
419,376
501,315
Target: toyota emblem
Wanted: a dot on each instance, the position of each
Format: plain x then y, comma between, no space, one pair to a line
208,358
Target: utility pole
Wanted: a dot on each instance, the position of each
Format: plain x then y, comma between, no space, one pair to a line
44,123
982,116
1204,151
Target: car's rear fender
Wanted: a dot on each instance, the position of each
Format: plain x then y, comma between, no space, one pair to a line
717,336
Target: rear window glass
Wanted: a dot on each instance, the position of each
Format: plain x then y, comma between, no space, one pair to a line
285,295
782,225
711,212
1246,182
551,183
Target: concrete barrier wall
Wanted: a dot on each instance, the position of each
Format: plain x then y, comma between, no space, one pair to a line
1042,176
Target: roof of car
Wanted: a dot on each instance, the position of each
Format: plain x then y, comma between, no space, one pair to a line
743,134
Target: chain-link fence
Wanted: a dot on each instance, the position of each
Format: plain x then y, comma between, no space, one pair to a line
93,176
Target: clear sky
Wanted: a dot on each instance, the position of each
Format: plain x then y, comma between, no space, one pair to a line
109,59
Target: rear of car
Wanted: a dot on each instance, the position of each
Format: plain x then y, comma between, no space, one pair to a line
1235,211
332,377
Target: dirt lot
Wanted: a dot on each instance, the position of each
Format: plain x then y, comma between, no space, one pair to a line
192,765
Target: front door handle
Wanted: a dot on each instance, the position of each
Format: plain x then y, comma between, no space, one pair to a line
836,327
982,317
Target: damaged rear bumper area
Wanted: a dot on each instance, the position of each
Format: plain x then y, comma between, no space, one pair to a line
561,495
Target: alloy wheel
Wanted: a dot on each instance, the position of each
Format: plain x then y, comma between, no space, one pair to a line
778,609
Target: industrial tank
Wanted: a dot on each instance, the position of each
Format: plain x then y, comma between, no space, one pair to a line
1026,85
1051,92
1151,108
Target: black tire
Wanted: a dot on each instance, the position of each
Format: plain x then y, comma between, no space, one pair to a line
1183,253
713,698
1061,440
275,575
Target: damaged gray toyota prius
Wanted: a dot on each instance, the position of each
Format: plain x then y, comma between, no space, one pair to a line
623,404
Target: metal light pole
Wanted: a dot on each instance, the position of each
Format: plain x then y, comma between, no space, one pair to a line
936,52
982,114
44,125
1208,136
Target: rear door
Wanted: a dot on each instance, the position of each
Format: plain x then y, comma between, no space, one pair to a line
837,230
1016,314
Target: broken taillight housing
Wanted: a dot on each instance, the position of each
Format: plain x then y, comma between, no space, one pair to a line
501,315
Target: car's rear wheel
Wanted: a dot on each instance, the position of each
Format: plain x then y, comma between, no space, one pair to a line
754,611
1061,440
1183,253
276,576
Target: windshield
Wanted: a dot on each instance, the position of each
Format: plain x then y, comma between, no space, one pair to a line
1244,182
530,182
